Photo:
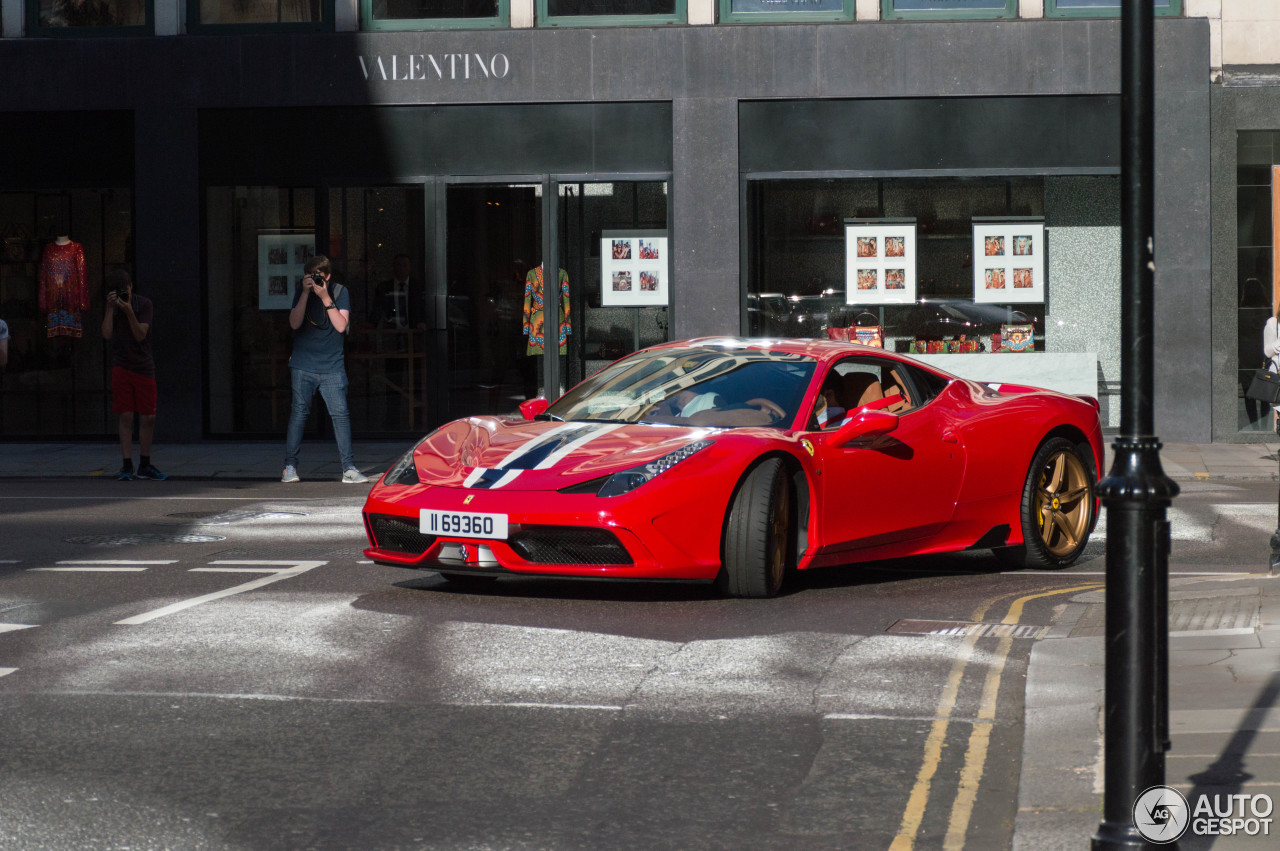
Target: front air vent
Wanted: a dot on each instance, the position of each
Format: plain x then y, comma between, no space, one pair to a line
396,534
569,545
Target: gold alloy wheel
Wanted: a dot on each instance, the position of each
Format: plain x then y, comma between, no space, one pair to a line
1064,500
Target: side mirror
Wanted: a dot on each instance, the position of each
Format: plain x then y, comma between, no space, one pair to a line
864,424
530,408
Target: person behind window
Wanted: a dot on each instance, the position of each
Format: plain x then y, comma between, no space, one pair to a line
321,311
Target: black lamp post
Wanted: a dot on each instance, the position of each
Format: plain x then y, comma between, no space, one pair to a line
1136,492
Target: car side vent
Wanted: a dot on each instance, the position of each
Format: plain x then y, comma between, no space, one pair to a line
569,545
399,535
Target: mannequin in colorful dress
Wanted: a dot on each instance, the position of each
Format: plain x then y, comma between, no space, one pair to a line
534,311
64,287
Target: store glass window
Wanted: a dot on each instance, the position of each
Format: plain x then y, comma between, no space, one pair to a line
1097,8
615,242
90,17
947,9
436,14
258,239
591,13
803,261
744,11
1258,158
57,379
296,15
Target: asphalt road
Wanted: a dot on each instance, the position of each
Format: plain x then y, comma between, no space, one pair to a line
212,665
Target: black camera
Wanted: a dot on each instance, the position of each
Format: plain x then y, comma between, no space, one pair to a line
123,295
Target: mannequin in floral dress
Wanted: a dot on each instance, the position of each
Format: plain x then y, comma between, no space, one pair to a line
64,287
535,311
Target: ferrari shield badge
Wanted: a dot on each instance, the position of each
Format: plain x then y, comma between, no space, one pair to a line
808,447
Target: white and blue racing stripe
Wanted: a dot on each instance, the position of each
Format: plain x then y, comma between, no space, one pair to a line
540,453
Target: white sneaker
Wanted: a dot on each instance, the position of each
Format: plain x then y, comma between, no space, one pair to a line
290,474
354,477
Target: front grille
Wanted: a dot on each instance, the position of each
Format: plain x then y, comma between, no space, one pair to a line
569,545
399,535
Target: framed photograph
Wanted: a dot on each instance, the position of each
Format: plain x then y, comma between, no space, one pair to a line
282,257
634,268
880,261
1009,260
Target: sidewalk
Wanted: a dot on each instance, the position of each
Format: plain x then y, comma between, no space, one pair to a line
1224,690
208,460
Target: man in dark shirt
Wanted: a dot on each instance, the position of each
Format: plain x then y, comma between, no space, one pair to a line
319,318
133,372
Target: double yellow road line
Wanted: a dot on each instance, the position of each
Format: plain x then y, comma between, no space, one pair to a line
975,757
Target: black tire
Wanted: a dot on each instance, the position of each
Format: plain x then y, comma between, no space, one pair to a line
759,533
1057,509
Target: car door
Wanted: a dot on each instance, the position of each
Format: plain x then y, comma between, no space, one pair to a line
895,486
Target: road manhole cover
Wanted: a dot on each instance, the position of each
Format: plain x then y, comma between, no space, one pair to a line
224,518
143,538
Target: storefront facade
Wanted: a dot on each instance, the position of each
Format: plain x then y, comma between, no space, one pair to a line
735,158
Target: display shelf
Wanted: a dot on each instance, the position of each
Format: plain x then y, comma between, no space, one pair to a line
1075,373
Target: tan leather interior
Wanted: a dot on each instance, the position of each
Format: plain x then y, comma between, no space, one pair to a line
858,389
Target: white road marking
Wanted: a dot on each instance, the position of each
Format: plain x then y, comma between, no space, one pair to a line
91,569
4,672
233,570
11,627
119,561
289,569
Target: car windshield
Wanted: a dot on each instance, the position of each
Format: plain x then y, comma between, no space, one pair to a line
715,386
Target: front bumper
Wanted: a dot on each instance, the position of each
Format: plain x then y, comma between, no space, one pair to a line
647,535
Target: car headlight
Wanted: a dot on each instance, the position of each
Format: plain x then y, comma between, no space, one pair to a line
628,480
404,472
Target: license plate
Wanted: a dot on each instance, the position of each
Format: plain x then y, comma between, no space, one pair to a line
463,524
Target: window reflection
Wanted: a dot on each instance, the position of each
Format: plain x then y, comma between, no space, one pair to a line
566,8
92,13
261,11
394,10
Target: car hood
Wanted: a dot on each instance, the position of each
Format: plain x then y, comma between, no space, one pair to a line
520,455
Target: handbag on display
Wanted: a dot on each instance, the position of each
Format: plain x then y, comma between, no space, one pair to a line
839,334
867,335
1265,386
1017,338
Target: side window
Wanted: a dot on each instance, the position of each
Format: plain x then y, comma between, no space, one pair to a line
918,385
858,384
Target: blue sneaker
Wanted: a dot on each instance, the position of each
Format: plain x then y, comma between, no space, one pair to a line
125,475
148,471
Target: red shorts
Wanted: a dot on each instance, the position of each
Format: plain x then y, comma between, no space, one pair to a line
131,392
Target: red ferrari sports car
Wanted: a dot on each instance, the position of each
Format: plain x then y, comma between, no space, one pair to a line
738,460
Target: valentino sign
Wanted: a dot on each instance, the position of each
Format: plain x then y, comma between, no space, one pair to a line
435,66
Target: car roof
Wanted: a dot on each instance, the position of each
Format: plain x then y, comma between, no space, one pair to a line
820,350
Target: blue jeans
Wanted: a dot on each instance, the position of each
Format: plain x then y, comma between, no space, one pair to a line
333,388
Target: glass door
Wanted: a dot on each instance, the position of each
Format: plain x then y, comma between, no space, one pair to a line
494,234
516,332
615,255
